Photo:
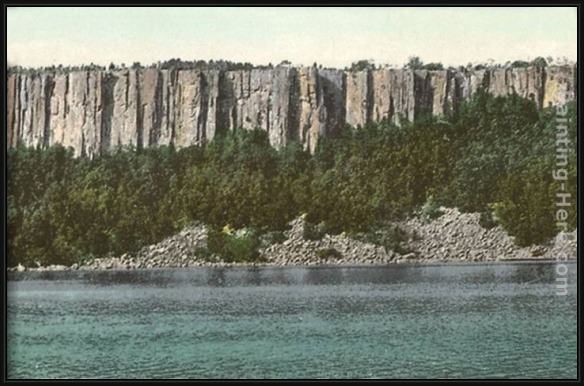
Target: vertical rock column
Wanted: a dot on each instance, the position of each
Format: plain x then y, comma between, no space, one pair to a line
196,99
189,105
263,99
333,85
473,82
382,88
403,97
124,129
443,101
59,109
282,100
10,109
212,103
151,106
560,85
168,111
312,117
84,114
28,101
529,83
359,98
423,94
255,110
248,103
33,121
500,82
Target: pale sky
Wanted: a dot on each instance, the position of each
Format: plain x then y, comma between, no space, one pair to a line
333,37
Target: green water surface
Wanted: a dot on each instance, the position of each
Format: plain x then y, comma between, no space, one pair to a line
447,321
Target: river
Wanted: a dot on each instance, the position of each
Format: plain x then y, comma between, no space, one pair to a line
497,320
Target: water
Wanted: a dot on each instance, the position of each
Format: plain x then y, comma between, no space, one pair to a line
449,321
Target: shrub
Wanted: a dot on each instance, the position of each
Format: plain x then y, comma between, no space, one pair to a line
272,237
313,232
526,207
86,259
390,237
205,254
328,253
431,209
486,220
239,246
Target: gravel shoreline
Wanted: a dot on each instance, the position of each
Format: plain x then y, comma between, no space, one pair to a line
452,237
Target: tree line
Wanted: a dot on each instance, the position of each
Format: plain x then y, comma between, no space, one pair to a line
413,63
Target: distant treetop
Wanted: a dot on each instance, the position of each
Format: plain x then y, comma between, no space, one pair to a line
413,63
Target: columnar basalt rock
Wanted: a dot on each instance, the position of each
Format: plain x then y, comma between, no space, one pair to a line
500,82
333,85
280,101
168,111
475,81
529,83
359,97
442,100
190,118
211,81
257,99
312,117
151,106
97,111
59,110
382,109
10,95
124,128
560,85
82,125
402,95
423,93
34,109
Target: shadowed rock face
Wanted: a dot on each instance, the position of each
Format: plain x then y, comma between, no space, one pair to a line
96,111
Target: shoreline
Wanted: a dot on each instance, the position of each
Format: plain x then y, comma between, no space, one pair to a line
247,265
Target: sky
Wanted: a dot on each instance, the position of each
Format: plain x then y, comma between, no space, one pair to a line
333,37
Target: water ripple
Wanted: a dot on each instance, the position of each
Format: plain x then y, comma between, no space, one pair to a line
481,321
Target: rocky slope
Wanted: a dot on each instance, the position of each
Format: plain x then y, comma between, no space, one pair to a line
95,111
453,237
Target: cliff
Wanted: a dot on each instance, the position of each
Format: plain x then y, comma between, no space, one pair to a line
95,111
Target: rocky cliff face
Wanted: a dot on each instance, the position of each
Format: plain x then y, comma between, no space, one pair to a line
96,111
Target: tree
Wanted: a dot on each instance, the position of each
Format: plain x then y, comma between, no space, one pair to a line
539,62
362,65
519,64
414,63
434,66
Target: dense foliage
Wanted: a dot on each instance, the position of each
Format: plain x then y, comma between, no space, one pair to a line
495,154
